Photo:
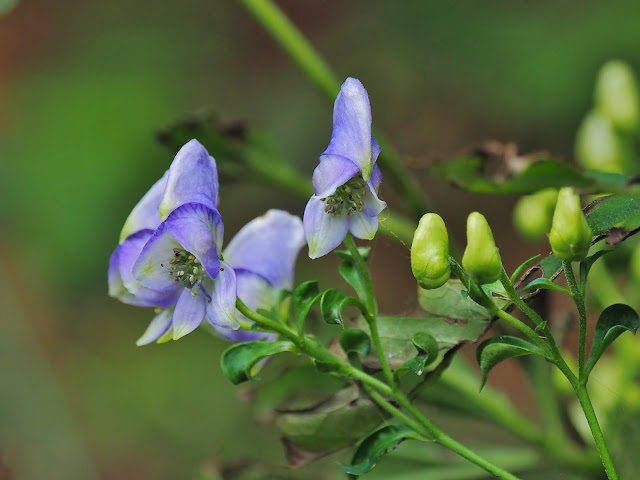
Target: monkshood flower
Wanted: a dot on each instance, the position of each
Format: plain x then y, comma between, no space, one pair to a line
347,179
169,251
263,254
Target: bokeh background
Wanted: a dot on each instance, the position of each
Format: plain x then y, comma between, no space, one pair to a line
83,88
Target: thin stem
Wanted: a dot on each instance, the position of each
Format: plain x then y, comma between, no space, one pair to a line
590,414
396,412
363,270
372,307
446,441
514,322
540,323
582,313
318,71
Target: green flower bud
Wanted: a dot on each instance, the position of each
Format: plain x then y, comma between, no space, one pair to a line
570,235
616,95
600,147
481,259
533,213
430,260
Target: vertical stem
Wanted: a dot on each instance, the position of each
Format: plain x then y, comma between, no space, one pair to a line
320,74
371,305
582,313
590,414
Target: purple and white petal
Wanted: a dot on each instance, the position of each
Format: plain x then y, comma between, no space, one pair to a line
332,172
193,178
222,308
151,268
372,205
145,214
351,136
375,150
362,226
189,313
268,245
158,327
116,285
199,230
129,252
376,178
255,292
323,231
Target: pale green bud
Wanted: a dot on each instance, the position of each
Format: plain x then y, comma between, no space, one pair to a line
570,235
481,259
533,213
430,260
600,147
616,95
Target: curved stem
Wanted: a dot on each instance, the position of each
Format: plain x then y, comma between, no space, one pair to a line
582,313
318,71
590,414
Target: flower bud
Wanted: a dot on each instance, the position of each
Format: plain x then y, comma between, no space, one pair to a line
570,235
430,261
599,146
617,95
533,213
481,259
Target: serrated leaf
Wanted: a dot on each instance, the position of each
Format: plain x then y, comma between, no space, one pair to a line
332,302
238,360
354,340
546,284
304,297
329,425
613,321
375,445
497,349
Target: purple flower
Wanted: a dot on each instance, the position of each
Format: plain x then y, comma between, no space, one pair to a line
169,251
263,254
347,179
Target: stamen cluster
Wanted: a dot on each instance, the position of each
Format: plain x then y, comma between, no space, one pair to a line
186,269
347,198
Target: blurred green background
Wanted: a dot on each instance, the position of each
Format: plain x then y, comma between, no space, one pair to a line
83,88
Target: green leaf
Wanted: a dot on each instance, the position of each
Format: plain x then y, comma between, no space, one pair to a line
375,445
334,423
333,302
238,360
346,254
426,344
585,267
415,365
304,297
613,321
546,284
526,264
354,340
493,351
613,211
350,273
448,317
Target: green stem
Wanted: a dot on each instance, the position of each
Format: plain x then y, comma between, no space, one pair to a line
540,323
318,71
590,414
317,351
582,313
361,266
446,441
396,412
